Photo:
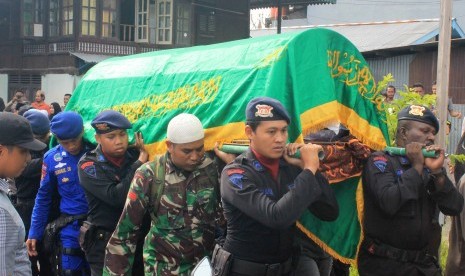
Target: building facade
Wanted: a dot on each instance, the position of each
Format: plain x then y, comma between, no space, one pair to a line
50,44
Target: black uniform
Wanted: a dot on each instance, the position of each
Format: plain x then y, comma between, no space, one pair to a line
399,207
106,186
261,212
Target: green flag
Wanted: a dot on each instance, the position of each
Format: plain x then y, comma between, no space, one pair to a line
318,75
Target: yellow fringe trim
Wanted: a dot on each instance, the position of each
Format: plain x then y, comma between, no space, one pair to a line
360,211
327,248
324,246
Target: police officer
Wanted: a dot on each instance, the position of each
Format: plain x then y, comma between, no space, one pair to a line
264,191
180,191
105,174
59,172
27,184
401,194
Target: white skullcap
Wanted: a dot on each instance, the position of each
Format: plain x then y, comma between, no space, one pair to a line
184,128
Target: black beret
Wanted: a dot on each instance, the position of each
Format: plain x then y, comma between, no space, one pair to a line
266,109
109,120
419,113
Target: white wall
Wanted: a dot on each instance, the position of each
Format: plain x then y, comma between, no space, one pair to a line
57,85
4,87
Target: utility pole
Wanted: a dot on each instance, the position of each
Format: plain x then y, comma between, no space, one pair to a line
443,69
280,15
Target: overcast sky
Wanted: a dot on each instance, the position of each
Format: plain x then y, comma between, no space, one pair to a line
382,10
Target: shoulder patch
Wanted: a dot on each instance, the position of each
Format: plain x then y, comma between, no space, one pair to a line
380,162
235,170
236,180
89,169
86,164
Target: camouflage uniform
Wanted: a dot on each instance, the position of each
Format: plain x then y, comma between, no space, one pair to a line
184,231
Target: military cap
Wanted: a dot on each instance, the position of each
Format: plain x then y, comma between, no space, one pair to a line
109,120
40,123
266,109
66,125
419,113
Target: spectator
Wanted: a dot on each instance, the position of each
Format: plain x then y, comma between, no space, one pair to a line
66,98
12,106
40,103
419,89
54,109
390,93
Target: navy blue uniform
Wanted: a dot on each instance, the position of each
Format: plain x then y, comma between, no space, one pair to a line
59,170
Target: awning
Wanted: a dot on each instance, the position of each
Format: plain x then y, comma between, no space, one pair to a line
90,58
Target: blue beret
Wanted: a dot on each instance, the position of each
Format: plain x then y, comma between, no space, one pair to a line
109,120
419,113
266,109
40,123
66,125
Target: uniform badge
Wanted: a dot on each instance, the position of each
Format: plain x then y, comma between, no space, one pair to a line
258,166
64,179
89,168
416,110
236,175
263,110
57,157
102,126
399,173
60,165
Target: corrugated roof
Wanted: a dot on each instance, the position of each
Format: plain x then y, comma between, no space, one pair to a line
255,4
378,35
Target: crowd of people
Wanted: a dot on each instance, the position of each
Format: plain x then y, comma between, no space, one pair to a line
80,209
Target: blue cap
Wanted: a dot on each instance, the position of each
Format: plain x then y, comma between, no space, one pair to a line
266,109
109,120
66,125
419,113
40,123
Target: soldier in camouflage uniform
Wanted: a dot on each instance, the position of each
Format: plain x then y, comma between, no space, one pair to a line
184,204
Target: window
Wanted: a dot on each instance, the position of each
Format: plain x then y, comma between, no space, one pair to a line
142,13
109,18
164,12
89,17
33,17
183,24
68,16
54,18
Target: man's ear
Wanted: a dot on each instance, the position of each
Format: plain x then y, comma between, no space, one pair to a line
248,131
403,133
169,146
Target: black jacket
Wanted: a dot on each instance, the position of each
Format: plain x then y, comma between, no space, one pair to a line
106,185
261,213
400,204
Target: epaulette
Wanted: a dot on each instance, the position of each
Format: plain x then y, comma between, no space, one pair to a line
51,151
